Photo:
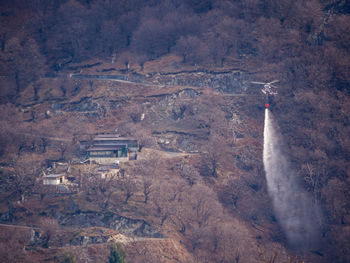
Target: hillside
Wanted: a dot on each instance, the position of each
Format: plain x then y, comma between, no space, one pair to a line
175,75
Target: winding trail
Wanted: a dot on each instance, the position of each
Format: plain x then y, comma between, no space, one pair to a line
116,78
45,137
19,226
119,238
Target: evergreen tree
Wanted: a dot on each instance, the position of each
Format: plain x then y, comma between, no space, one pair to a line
117,255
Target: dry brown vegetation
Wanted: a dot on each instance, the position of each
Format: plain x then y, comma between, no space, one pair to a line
210,201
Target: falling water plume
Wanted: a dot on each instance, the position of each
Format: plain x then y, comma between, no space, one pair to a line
294,210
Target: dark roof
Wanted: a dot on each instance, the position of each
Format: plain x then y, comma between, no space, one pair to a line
111,136
115,140
106,147
107,137
112,141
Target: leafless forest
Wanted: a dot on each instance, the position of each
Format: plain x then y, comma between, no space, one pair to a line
176,75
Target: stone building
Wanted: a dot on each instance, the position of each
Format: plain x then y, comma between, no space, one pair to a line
110,148
107,171
54,179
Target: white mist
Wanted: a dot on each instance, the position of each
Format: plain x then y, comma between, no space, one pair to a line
293,208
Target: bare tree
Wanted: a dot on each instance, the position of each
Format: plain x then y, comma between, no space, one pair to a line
154,37
214,151
147,183
44,190
48,228
192,210
315,179
188,172
268,258
106,188
13,243
126,58
232,192
198,212
129,187
167,195
24,176
147,171
186,47
62,148
100,189
3,41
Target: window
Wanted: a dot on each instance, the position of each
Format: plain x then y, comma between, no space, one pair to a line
101,153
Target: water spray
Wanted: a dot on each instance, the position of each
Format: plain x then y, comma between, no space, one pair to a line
294,210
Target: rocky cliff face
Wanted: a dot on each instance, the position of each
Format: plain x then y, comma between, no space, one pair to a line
227,82
124,225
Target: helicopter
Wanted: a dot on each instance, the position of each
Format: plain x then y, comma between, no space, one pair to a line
268,89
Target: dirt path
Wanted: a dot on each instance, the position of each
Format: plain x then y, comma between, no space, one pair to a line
45,137
117,238
125,240
147,153
19,226
116,79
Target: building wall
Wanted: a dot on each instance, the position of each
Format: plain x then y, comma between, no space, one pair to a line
132,155
109,154
50,182
109,174
54,181
99,154
102,160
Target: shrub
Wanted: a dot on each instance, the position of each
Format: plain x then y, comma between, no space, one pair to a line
117,254
65,258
